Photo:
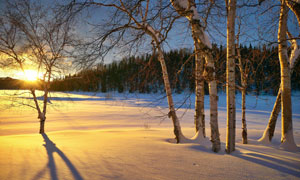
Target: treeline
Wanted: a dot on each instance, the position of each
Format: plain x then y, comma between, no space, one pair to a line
10,83
143,73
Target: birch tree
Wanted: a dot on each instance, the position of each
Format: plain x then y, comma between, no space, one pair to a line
244,64
283,100
230,76
202,48
31,33
244,70
270,129
142,18
287,138
243,89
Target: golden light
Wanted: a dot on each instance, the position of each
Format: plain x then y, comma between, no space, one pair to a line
28,75
31,75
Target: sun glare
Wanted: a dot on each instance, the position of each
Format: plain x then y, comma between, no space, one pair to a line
31,75
28,75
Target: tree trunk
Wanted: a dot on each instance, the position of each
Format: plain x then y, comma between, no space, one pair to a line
172,113
42,124
243,90
199,92
213,99
287,138
244,125
230,77
270,129
199,80
185,10
41,115
202,48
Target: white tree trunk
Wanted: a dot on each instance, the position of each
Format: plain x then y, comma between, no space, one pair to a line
230,77
243,90
172,112
199,93
202,46
287,138
187,8
270,129
213,99
244,125
156,37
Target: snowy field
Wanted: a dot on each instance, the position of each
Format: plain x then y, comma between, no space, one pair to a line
127,136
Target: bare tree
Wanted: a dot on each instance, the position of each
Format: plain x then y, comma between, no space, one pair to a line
202,46
136,19
245,65
33,34
286,104
244,72
283,99
230,76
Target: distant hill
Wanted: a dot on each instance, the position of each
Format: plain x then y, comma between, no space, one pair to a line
10,83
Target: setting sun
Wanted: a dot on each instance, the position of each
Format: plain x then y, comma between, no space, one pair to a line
31,75
28,75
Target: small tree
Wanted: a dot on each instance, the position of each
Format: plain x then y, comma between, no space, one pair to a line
244,72
33,34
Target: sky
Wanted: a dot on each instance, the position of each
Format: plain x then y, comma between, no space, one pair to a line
180,35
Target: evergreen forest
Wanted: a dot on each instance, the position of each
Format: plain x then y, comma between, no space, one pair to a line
142,74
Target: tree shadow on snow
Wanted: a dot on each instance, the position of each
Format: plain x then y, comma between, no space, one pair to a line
281,164
275,143
270,161
207,149
51,149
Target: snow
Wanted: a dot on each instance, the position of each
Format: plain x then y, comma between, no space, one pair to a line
206,40
288,143
90,136
265,138
184,4
156,34
295,53
195,13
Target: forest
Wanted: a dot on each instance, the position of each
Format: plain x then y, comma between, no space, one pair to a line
140,75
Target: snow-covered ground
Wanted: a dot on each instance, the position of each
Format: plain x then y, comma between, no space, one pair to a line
126,136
